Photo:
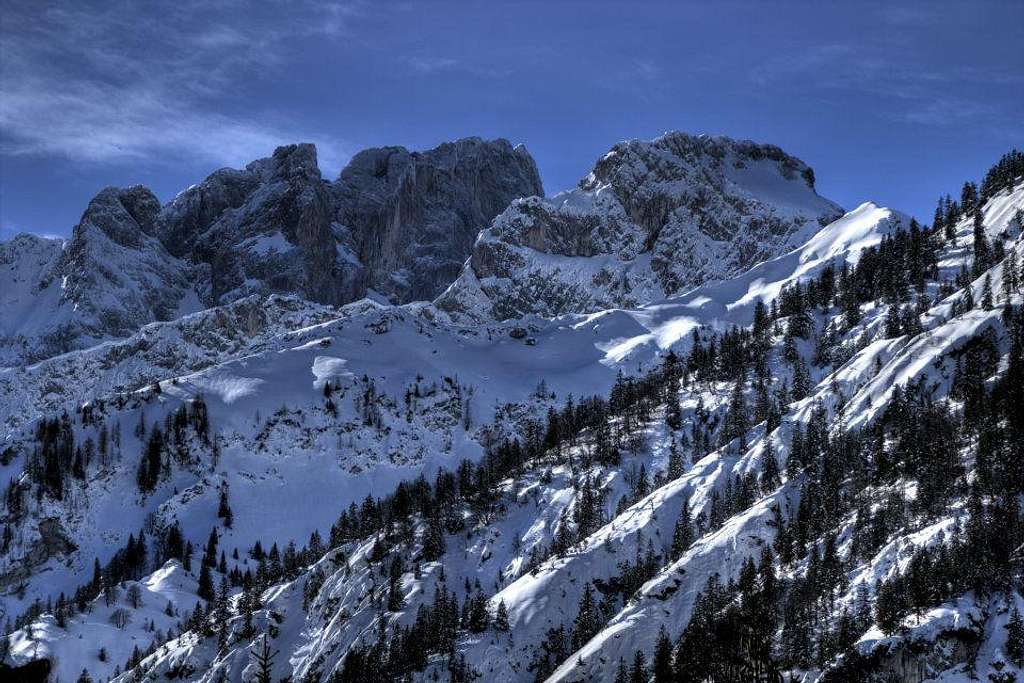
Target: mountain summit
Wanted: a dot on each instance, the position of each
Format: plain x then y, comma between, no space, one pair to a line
652,219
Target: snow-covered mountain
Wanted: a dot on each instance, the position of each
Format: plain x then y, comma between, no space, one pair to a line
807,463
652,219
398,221
109,279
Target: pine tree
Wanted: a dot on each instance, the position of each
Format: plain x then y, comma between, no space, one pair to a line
770,475
588,620
221,612
621,675
224,508
1010,276
673,412
663,658
479,617
969,198
737,421
205,589
948,222
433,539
396,601
501,618
263,659
676,468
1015,639
986,293
210,554
682,535
981,246
801,380
638,672
890,606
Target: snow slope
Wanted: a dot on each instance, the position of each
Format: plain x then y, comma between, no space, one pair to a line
412,390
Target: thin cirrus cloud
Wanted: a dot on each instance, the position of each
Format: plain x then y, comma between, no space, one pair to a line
96,85
914,93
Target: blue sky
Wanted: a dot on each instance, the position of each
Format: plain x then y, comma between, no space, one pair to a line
889,102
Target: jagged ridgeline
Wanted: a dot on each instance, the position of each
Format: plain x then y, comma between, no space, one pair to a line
394,222
807,466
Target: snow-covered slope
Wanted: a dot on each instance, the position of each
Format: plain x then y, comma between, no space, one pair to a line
652,219
157,351
278,344
288,412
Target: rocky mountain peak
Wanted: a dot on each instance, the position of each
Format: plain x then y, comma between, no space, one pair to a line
289,162
676,155
654,217
122,214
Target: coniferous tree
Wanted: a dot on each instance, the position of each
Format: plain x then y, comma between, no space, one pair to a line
396,600
263,661
1015,639
588,619
1011,276
770,475
981,246
986,293
433,539
638,672
220,615
673,412
224,508
676,468
501,617
621,674
205,589
682,535
736,419
663,658
969,198
801,380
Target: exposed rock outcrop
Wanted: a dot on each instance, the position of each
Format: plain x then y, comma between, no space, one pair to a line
413,217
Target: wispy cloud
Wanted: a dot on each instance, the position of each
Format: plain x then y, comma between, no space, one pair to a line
428,65
439,65
923,94
125,82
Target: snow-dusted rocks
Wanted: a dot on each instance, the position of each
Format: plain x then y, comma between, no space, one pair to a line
652,219
111,277
157,351
27,263
264,230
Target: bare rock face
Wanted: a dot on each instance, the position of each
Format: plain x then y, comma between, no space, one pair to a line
653,219
413,217
400,222
263,230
